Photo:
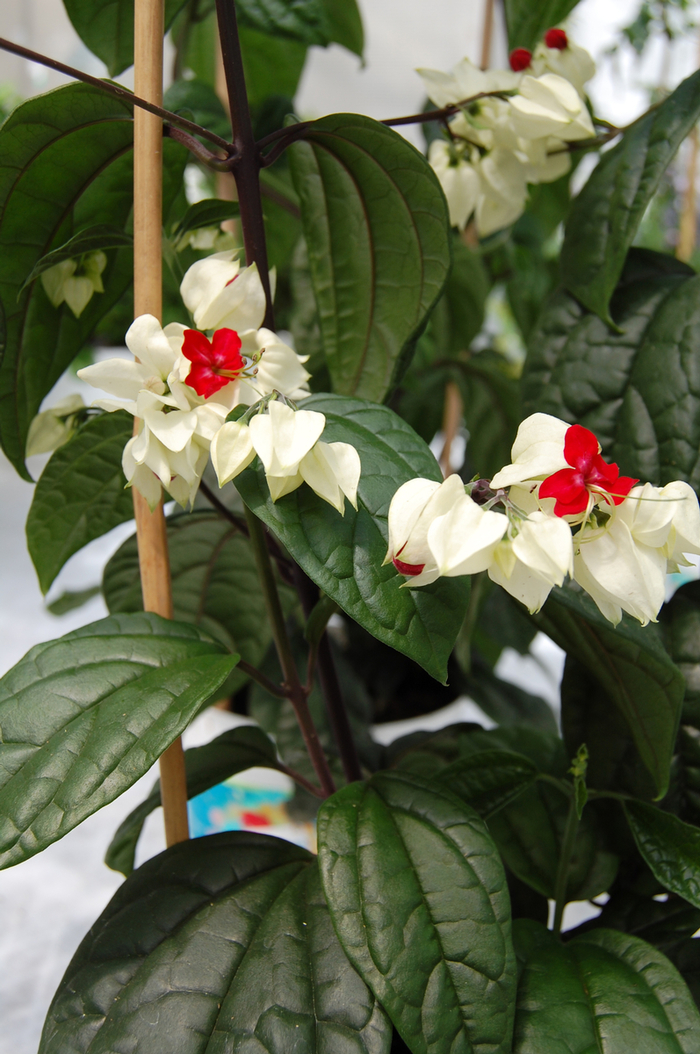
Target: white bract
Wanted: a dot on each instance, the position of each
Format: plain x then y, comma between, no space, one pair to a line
572,62
536,555
622,562
538,451
52,428
61,282
458,178
288,444
550,105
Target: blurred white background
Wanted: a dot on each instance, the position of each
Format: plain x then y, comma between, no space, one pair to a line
48,903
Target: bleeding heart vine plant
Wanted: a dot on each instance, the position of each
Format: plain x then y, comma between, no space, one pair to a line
329,574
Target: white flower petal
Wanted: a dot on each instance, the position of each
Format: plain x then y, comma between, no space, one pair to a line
538,451
463,541
283,436
231,451
119,377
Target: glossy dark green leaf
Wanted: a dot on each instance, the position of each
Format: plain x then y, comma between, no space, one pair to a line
272,66
224,943
302,20
463,301
106,27
343,555
72,599
214,580
51,150
80,495
90,240
234,751
208,213
666,924
680,620
670,847
631,665
602,993
588,715
83,717
686,958
375,223
529,830
491,398
605,215
197,100
506,703
344,24
490,779
528,20
636,390
420,904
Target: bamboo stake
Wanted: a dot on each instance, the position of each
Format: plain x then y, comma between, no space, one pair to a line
148,210
486,34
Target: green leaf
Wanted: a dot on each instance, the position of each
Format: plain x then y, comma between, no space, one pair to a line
420,904
302,20
670,847
490,779
375,222
240,955
83,717
344,24
528,21
605,216
106,27
631,665
664,923
491,399
101,236
214,580
604,992
506,703
200,102
206,766
343,555
272,66
51,149
636,389
80,495
71,600
680,619
208,213
588,715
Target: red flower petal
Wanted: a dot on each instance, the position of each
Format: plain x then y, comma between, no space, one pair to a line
519,59
408,569
556,38
621,488
196,347
226,347
569,488
580,447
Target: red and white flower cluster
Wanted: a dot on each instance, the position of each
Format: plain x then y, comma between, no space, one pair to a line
496,146
182,384
559,509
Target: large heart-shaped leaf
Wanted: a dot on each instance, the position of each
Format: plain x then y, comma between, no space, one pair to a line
603,992
65,165
631,665
214,581
605,216
670,847
420,904
376,227
635,390
106,27
85,716
344,555
239,955
528,21
80,494
206,766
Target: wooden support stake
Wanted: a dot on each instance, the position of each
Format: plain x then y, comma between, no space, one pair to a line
148,220
486,35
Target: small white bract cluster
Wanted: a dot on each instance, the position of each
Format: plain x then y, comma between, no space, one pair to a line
182,385
496,146
559,509
75,281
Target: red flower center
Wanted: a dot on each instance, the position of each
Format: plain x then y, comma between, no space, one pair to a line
410,570
556,38
589,474
519,59
215,362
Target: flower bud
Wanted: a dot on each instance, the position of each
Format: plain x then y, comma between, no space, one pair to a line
556,38
519,59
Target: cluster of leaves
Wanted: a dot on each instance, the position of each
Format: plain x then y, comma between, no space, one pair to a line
423,919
